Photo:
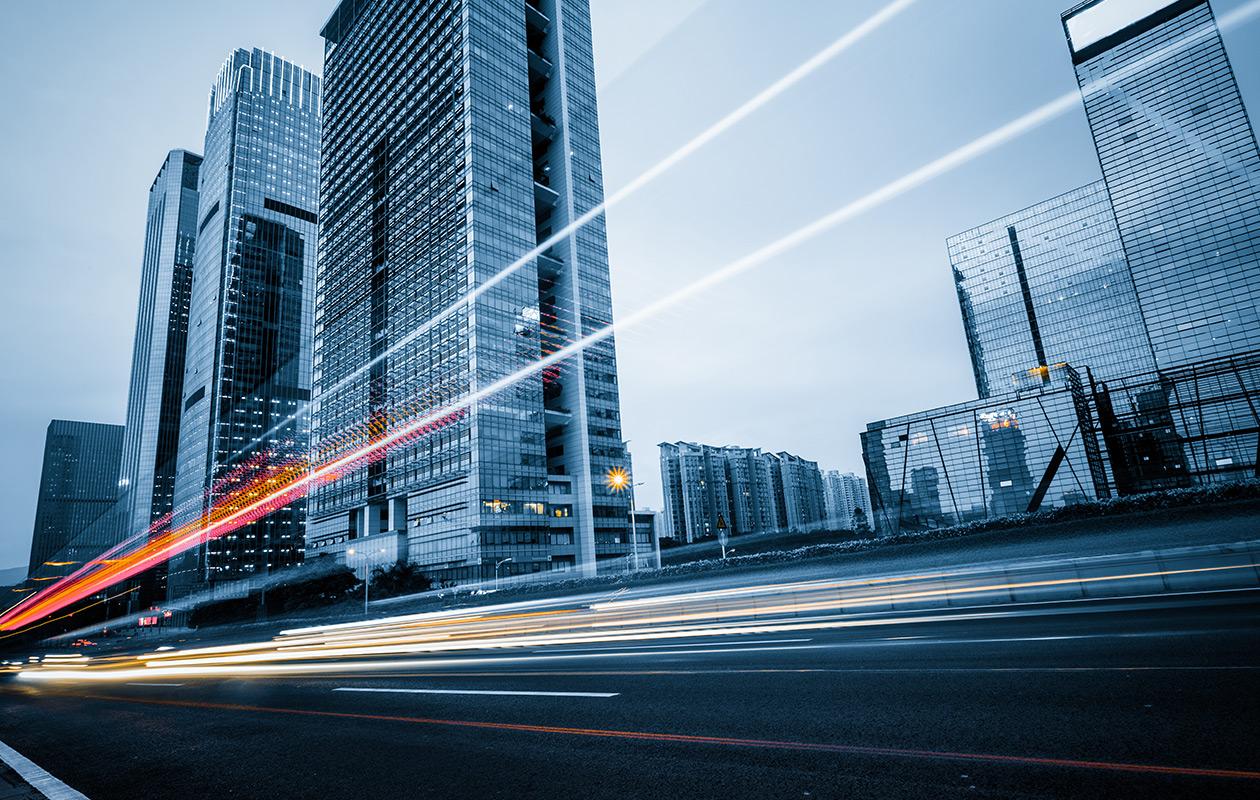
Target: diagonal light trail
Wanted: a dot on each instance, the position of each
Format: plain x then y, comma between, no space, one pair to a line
65,592
749,107
767,95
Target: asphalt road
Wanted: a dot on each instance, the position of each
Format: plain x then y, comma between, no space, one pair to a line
1153,698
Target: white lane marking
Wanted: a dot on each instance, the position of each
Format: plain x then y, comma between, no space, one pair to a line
37,776
657,646
138,683
477,691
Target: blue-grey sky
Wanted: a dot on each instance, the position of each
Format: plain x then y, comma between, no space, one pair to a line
860,324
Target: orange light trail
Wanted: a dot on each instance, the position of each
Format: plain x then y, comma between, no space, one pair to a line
275,487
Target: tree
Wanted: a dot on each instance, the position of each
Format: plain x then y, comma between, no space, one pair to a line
398,579
859,520
327,588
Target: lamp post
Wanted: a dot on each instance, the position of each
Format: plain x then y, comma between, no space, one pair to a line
496,571
619,480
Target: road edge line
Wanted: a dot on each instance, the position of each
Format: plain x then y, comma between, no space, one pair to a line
37,776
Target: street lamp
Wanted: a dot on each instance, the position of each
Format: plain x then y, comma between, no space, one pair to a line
618,480
496,571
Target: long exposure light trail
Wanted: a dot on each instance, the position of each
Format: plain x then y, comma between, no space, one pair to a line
761,99
260,498
584,630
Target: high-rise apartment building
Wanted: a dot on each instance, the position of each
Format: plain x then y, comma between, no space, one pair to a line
798,492
146,483
845,499
1048,285
695,483
78,488
247,374
1181,166
484,145
711,490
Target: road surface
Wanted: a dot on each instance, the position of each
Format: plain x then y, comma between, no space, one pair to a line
1149,697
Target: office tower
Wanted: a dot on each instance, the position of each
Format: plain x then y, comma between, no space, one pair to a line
984,458
1181,166
798,491
146,484
845,500
78,486
247,375
486,144
1048,285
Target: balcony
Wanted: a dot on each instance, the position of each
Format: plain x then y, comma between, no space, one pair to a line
545,196
549,266
536,19
543,126
539,65
555,418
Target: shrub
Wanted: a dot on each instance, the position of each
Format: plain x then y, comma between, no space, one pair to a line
398,579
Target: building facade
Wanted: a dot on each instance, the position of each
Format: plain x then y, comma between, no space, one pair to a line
1181,166
75,517
710,491
1048,285
846,500
1018,453
146,482
247,373
1196,424
647,541
799,493
438,278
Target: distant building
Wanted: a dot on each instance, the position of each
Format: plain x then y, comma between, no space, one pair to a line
247,374
457,138
1179,159
696,491
78,487
738,490
647,539
985,458
846,500
798,492
155,397
1048,285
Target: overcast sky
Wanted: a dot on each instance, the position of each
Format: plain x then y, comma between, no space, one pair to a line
860,324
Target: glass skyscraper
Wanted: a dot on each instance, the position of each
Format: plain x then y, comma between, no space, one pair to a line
1048,285
247,375
1181,166
78,488
154,400
457,137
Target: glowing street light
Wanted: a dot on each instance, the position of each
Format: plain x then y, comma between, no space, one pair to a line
618,480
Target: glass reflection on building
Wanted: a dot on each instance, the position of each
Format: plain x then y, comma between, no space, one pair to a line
1181,166
1047,285
1028,450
